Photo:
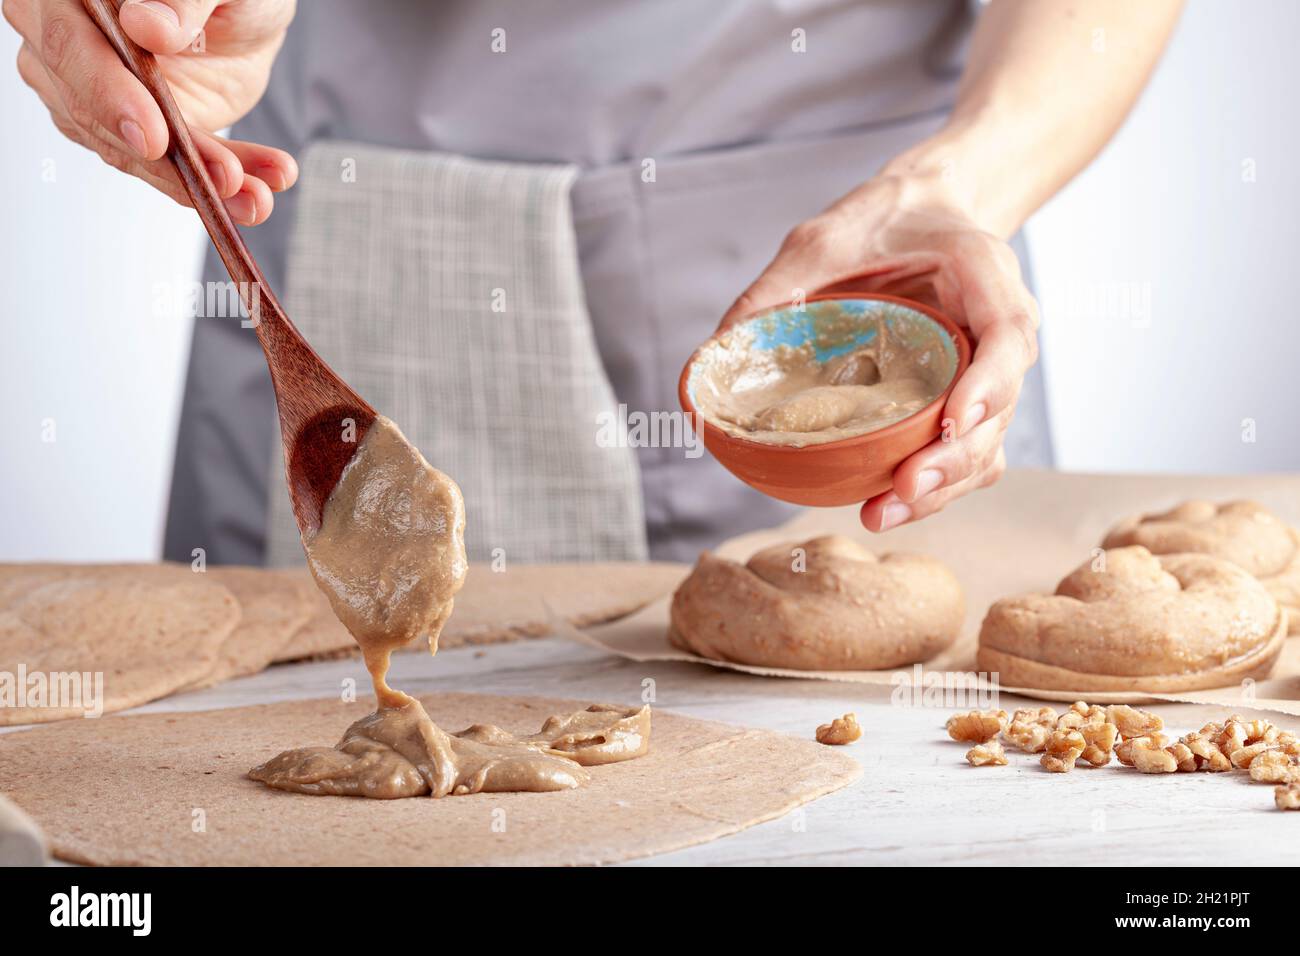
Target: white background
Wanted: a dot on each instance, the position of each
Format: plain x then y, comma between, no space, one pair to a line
1165,280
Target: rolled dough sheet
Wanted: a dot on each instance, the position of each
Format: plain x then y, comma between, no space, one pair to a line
1022,535
274,608
169,789
149,629
525,600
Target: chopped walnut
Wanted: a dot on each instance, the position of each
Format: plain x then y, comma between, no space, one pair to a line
1031,738
1261,731
1100,738
1064,747
1211,731
1030,728
1124,749
1275,766
977,726
1183,757
1093,734
1080,714
1207,753
1133,722
1035,715
1233,736
1243,757
989,754
1147,758
841,730
1244,740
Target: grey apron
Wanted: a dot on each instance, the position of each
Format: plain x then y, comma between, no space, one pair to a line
747,136
447,292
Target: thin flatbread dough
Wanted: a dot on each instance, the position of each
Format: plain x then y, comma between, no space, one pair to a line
274,607
322,636
150,629
123,791
522,601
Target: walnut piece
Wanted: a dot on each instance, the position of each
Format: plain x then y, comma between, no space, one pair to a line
1183,757
1124,749
989,754
1287,797
1243,757
1275,766
1232,738
1207,753
1148,758
1064,747
1080,714
1030,728
1260,731
1100,738
977,726
1045,716
841,730
1133,722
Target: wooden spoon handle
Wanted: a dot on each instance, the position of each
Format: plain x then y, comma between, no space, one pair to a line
313,401
184,155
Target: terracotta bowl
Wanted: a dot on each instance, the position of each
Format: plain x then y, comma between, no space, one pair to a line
839,472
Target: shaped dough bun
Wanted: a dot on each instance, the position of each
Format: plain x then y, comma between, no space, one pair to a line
825,604
1138,622
1243,532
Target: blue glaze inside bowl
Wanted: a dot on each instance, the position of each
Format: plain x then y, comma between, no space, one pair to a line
793,328
855,322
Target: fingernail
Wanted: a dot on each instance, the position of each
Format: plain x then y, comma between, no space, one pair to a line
974,415
160,10
242,208
133,136
927,481
218,174
273,177
894,514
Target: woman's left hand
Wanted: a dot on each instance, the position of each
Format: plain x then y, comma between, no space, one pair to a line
910,236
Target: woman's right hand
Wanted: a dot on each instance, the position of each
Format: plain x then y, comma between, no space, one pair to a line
216,56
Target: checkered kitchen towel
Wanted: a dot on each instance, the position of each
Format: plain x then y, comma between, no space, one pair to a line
447,292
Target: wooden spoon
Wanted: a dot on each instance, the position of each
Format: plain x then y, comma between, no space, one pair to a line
322,420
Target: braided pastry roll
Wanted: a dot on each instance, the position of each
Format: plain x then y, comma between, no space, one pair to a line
825,604
1243,532
1138,622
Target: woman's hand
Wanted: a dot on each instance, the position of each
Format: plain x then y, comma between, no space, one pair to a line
1042,92
216,56
910,236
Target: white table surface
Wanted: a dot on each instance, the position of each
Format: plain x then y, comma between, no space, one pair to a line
918,802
